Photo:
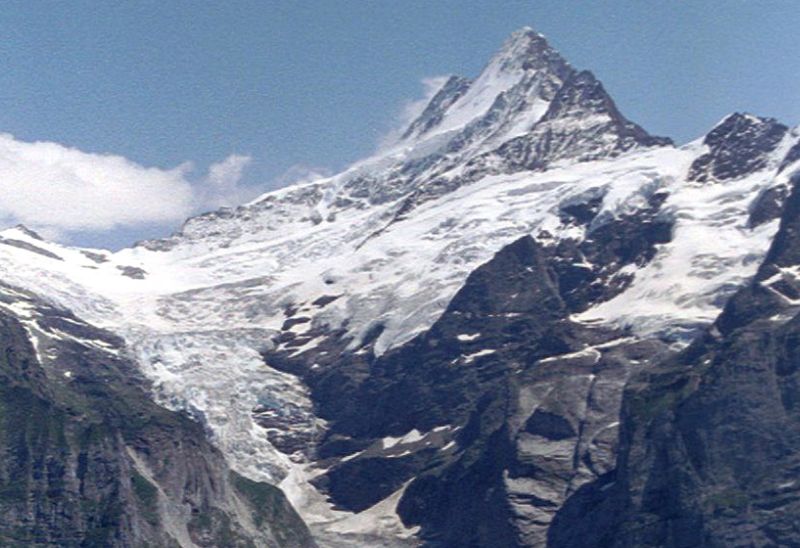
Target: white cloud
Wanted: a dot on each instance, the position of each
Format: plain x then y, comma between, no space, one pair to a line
58,190
411,109
222,188
295,175
299,174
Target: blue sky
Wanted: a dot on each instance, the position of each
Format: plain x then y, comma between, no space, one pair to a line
314,85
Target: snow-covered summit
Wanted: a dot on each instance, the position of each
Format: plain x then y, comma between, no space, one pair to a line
525,66
525,49
740,143
25,230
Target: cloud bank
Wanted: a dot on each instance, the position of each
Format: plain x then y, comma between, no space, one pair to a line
57,189
222,188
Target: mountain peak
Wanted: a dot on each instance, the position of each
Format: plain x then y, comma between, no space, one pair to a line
739,144
526,49
524,37
525,61
742,119
22,229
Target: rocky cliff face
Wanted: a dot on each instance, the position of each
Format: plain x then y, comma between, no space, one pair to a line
505,400
86,458
710,438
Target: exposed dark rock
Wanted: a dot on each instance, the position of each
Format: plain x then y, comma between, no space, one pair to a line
291,322
96,257
549,425
738,145
132,272
563,131
710,439
767,206
493,392
325,300
791,157
582,212
359,484
590,270
28,232
30,247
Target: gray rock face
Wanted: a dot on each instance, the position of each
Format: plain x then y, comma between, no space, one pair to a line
582,123
515,407
86,459
29,247
710,439
738,145
590,269
768,206
791,157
